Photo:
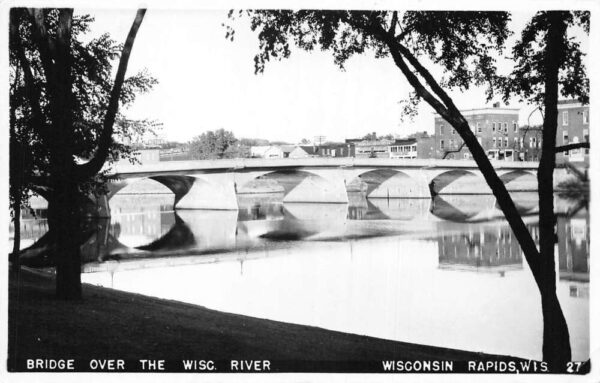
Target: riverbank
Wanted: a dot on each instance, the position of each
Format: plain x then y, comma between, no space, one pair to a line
113,324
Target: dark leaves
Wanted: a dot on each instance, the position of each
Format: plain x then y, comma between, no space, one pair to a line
463,43
92,81
527,80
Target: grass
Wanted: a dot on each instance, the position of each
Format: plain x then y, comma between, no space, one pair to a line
112,324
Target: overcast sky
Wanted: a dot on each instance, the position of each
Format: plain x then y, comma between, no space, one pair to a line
207,82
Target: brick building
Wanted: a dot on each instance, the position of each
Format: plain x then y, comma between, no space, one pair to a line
496,128
573,127
418,145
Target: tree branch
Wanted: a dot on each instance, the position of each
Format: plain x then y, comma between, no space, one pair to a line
579,145
431,82
453,151
95,164
441,107
393,22
394,44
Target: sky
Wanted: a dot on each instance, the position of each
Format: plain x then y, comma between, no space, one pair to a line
207,82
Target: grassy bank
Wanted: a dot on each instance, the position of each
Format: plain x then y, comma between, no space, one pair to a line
109,323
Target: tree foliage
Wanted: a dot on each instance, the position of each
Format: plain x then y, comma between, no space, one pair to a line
92,82
527,79
215,144
464,44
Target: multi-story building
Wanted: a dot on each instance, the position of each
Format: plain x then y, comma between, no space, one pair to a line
496,129
573,127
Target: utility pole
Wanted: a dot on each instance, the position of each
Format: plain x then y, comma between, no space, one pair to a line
318,140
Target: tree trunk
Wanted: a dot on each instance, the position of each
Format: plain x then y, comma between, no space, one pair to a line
14,256
557,348
64,222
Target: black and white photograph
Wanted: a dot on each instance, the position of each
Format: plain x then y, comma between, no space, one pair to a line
352,190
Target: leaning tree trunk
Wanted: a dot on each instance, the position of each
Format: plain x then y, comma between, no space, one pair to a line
556,348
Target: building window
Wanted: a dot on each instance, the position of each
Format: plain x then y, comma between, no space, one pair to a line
565,118
515,126
478,127
565,137
466,156
494,142
586,138
521,142
493,127
516,142
506,127
453,131
441,129
586,117
506,142
441,144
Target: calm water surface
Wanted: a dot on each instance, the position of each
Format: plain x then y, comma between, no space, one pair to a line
443,272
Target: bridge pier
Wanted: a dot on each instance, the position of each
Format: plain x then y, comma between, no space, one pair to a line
323,186
211,191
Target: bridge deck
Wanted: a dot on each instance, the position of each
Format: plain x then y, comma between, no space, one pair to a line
246,164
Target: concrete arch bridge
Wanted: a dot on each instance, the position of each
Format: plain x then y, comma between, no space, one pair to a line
215,184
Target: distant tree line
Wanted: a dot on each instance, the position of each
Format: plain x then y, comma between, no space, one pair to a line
221,143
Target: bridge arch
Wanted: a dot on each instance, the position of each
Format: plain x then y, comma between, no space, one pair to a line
458,181
179,185
385,183
298,186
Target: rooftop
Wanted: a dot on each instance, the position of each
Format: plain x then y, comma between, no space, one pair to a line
487,109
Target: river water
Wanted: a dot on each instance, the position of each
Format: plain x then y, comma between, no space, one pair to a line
444,272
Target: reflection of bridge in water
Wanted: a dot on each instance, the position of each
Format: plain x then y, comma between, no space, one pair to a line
145,232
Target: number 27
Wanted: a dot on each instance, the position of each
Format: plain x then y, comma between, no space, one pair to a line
573,367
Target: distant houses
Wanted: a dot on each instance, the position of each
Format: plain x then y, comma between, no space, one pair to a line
302,151
496,128
270,151
419,145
